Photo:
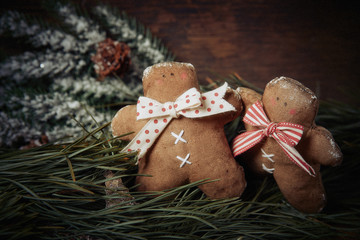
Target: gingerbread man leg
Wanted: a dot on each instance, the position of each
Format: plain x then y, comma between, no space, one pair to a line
230,182
228,174
157,179
306,193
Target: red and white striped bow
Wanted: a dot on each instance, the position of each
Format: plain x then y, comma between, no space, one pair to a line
287,135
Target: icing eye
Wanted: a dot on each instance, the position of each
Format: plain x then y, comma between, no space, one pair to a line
285,104
163,75
172,74
277,99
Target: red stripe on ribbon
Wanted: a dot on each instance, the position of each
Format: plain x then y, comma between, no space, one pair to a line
287,135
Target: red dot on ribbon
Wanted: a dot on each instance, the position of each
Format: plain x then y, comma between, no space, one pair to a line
175,106
216,94
212,102
188,100
187,96
138,101
221,106
209,109
170,107
147,131
129,150
150,111
183,111
150,104
204,98
156,121
196,111
137,114
156,130
165,120
163,109
138,141
147,140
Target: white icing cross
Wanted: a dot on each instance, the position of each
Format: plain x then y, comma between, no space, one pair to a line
184,160
268,157
179,137
269,170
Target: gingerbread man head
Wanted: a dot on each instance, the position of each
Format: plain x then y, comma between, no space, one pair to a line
178,132
287,100
288,144
167,81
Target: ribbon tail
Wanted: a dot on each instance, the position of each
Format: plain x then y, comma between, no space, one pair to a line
295,156
245,141
146,137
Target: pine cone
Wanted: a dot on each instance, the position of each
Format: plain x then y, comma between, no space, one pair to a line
111,57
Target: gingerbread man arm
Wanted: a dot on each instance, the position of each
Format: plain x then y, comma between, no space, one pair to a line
234,98
248,97
320,139
124,122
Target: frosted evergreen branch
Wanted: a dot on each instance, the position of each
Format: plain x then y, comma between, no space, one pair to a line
116,24
14,23
40,64
51,113
57,40
17,25
140,42
87,87
13,130
85,29
63,71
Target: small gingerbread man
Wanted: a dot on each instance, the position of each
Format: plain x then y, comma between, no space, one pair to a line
282,139
179,132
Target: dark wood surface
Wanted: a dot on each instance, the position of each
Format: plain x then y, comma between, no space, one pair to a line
315,42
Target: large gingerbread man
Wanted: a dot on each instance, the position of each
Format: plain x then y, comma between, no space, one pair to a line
179,132
283,139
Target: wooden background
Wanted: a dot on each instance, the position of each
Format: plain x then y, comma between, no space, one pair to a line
315,42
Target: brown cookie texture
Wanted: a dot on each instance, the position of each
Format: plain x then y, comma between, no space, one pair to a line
188,149
287,100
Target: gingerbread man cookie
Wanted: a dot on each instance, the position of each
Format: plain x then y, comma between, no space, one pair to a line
179,132
282,139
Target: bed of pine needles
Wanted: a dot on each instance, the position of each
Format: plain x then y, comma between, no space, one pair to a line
58,191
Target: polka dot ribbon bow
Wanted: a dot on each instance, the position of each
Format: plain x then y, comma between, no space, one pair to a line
287,135
191,104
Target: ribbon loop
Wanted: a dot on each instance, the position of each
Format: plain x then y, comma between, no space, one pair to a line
287,135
